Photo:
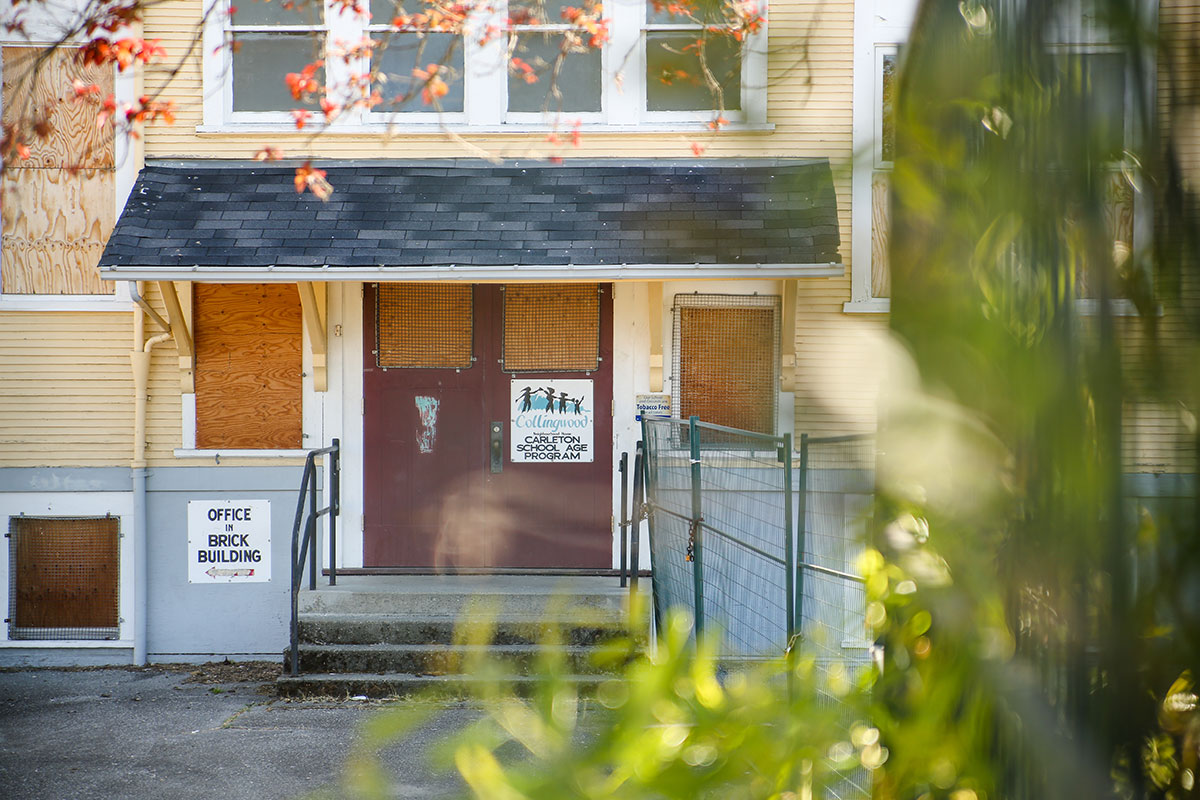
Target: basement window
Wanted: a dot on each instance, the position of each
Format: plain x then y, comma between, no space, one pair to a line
64,578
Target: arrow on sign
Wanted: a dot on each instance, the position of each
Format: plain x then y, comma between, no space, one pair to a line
213,572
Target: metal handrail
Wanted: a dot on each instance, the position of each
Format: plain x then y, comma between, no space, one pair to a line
306,549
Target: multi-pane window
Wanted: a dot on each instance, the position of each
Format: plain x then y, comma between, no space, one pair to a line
409,43
887,108
552,64
512,62
273,39
693,61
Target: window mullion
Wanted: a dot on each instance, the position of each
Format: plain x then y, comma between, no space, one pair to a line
754,72
486,72
625,64
344,30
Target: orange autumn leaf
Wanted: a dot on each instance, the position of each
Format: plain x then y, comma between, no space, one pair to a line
313,179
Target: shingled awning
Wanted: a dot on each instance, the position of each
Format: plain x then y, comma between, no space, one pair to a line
471,220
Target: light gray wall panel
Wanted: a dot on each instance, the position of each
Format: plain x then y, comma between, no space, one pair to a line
65,479
223,619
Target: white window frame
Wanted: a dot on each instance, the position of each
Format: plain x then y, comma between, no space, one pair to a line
623,83
753,76
880,28
312,407
472,56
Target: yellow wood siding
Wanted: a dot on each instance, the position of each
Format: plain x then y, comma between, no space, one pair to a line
810,82
809,90
66,390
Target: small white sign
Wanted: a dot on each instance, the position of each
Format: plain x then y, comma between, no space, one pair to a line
229,541
653,405
552,420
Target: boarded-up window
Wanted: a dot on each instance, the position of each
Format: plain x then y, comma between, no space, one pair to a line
551,327
65,578
726,359
58,205
423,325
248,366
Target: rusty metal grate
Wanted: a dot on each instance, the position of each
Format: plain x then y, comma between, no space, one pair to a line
725,363
551,327
424,325
65,578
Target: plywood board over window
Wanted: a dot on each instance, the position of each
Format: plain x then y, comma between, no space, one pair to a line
248,366
58,205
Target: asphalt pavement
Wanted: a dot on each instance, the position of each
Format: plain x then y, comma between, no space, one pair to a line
156,732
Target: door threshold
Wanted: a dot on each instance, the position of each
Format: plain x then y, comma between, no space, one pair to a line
564,571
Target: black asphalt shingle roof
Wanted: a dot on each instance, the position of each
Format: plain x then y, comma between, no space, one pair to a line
584,213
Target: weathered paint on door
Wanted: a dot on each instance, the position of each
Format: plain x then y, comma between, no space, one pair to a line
432,497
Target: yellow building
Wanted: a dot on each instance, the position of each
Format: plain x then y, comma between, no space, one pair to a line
179,325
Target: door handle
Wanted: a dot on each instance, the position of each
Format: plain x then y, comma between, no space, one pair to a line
497,446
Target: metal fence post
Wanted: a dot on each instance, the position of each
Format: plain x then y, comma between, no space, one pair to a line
623,466
696,539
639,510
312,527
643,494
785,456
801,529
335,501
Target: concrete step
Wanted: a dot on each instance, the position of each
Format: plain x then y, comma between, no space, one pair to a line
458,596
323,601
345,684
440,659
393,635
412,629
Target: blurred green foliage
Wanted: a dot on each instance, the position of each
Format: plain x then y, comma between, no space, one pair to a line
1037,624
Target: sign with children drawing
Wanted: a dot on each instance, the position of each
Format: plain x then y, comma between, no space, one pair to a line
552,420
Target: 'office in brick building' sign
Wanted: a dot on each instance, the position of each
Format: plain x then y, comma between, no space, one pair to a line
229,541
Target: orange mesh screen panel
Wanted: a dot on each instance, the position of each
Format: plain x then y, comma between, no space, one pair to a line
65,578
726,360
424,325
551,327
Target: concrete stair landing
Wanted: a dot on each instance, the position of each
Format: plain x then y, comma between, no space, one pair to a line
381,636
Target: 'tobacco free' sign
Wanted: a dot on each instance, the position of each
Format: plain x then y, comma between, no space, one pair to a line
229,541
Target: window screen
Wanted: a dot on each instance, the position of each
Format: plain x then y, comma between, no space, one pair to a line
551,327
726,359
64,579
423,325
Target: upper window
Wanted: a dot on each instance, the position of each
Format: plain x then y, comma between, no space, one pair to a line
513,62
273,39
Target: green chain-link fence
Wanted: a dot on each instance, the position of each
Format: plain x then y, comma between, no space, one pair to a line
759,542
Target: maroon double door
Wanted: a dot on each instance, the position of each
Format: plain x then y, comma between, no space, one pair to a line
433,495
